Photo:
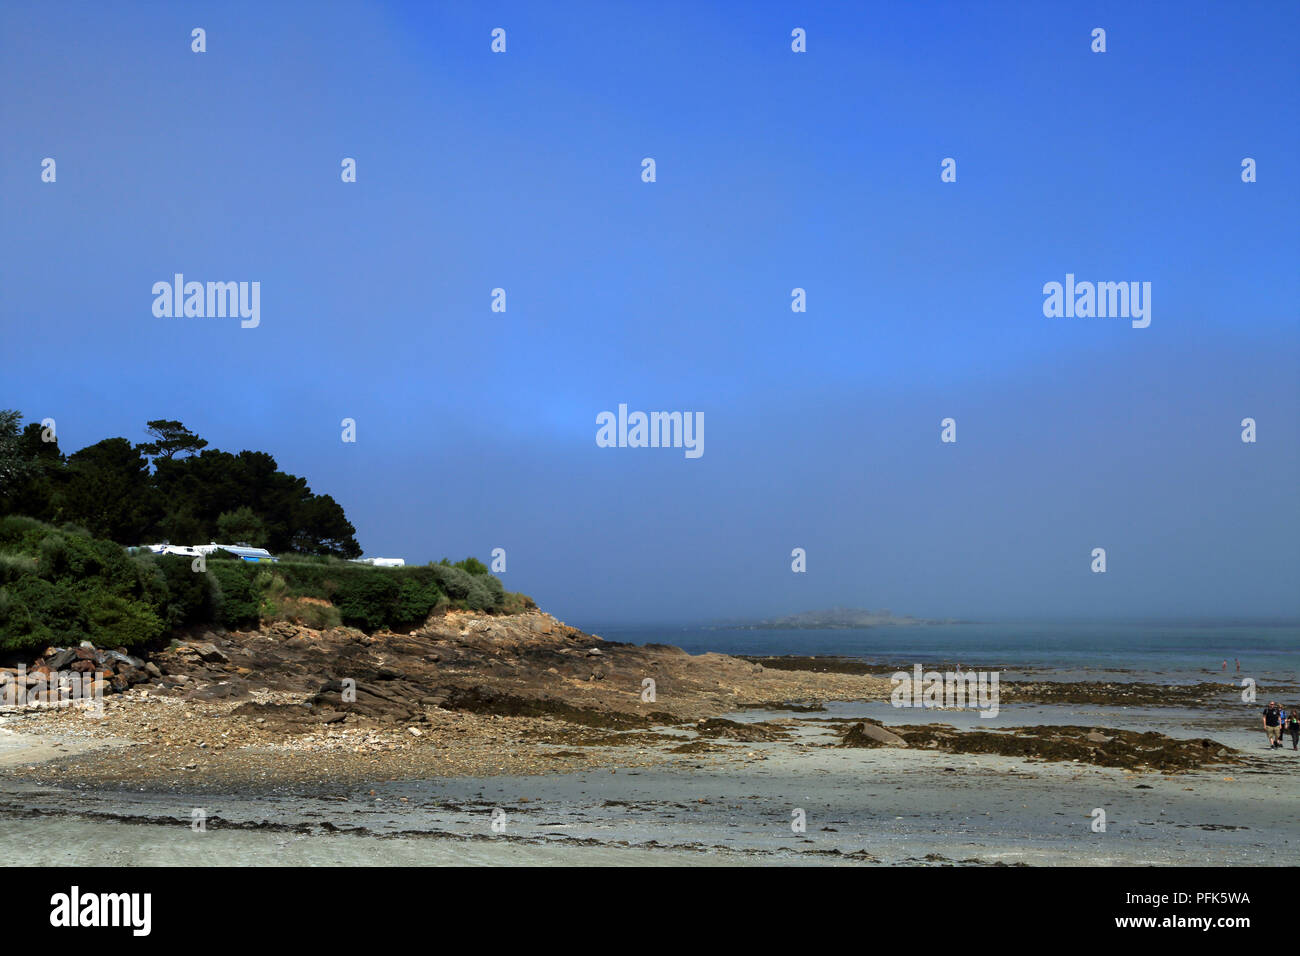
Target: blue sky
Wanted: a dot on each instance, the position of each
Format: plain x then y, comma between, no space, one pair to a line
775,170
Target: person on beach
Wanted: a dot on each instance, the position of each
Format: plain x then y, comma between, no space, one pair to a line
1273,724
1292,726
1224,668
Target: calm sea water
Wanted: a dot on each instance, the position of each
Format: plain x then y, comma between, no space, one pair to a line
1073,651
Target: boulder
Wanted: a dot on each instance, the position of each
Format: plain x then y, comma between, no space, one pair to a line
207,651
61,658
872,735
121,657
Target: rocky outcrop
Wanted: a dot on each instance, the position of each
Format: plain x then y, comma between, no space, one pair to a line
61,674
867,734
1104,747
521,665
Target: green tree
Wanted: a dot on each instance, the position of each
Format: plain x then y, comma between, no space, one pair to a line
171,439
12,463
108,491
321,527
473,565
241,526
206,485
41,470
108,488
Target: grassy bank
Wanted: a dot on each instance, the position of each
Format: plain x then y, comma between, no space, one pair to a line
60,586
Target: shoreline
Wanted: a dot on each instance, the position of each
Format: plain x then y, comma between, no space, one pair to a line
878,806
471,715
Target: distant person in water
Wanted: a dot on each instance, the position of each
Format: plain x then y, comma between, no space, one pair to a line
1273,724
1238,660
1292,727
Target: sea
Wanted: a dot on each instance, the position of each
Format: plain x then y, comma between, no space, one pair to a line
1171,653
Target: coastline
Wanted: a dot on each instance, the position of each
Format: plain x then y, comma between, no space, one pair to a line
526,715
730,806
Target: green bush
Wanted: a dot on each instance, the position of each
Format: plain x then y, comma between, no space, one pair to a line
60,586
14,527
118,622
415,602
473,565
516,603
368,603
14,566
239,603
186,595
318,616
21,623
455,581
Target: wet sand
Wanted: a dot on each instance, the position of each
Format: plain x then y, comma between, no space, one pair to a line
543,730
732,805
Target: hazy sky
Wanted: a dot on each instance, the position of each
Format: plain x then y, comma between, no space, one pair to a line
775,170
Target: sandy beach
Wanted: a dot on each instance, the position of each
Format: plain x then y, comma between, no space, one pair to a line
738,763
860,806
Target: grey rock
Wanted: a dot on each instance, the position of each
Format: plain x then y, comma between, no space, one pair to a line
122,658
870,735
62,658
209,652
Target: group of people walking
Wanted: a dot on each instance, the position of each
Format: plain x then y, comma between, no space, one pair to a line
1278,722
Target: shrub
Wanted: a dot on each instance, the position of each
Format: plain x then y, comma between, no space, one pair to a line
14,527
481,596
472,565
40,612
416,599
115,621
309,613
239,602
186,596
20,627
516,603
455,581
14,566
60,586
368,603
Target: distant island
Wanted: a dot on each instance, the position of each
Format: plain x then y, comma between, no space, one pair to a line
836,618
